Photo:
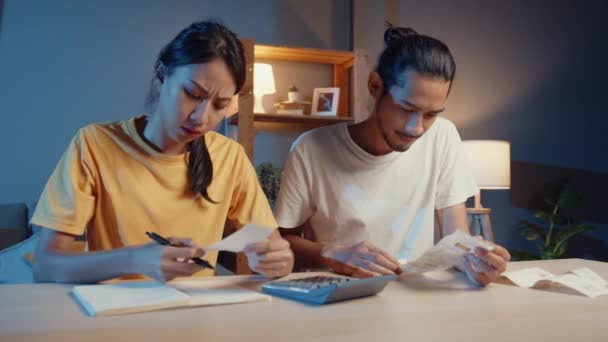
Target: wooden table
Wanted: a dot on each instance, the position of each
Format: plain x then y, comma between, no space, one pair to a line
414,309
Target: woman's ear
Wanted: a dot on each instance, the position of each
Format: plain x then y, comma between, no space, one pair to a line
375,85
160,72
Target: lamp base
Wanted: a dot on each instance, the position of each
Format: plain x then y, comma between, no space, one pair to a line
258,104
479,222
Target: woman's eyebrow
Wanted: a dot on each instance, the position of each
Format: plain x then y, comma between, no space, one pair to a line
206,91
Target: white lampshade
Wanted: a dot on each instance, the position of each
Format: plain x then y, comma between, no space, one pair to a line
263,79
263,83
490,162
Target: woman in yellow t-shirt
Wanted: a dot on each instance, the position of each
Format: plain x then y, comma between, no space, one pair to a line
166,172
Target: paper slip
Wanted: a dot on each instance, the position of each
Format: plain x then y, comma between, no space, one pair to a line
528,276
582,280
590,275
446,253
236,242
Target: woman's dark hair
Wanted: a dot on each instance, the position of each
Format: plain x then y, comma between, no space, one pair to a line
199,43
406,49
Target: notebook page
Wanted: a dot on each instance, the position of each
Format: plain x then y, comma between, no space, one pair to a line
129,297
213,291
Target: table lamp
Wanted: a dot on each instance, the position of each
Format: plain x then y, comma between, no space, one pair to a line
490,163
263,83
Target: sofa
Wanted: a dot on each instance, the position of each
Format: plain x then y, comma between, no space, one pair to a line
17,240
14,224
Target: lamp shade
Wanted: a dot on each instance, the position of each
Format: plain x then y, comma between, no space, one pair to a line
263,79
490,162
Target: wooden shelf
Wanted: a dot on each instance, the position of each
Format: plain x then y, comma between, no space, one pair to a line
345,58
294,119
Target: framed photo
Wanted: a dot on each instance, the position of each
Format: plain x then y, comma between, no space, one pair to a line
325,101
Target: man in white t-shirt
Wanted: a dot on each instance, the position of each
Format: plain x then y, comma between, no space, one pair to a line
367,194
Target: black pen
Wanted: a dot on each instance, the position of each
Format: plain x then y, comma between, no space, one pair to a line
161,240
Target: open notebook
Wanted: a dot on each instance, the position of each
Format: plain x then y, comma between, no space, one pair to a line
131,297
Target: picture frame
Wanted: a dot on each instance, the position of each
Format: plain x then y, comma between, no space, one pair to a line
325,101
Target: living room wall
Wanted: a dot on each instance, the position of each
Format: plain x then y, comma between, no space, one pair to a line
65,64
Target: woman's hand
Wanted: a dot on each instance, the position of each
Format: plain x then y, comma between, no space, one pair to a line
272,257
164,263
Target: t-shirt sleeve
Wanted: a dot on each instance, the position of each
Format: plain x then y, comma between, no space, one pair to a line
294,204
456,183
67,202
249,203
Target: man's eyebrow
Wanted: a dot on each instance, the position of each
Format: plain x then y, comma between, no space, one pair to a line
407,103
437,111
206,91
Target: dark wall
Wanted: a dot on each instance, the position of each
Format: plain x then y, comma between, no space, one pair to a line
532,73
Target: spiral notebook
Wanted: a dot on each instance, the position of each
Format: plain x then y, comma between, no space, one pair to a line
141,296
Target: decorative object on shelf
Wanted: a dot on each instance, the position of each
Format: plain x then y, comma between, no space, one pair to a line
490,162
270,180
293,107
263,84
552,227
325,101
293,94
342,64
289,108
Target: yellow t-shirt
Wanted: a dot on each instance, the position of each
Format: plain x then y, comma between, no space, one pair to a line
114,185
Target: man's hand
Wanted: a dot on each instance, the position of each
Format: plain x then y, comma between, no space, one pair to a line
360,260
484,267
272,257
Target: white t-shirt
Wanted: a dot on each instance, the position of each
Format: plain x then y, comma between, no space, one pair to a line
350,195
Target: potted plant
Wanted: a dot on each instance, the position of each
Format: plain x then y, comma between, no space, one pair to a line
552,228
270,180
293,94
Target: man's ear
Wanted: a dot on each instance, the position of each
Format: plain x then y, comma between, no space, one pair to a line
375,85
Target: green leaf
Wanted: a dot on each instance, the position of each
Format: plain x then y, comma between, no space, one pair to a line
550,217
545,252
546,255
568,232
529,233
530,230
544,216
270,180
560,249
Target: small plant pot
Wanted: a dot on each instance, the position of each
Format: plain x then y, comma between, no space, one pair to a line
293,96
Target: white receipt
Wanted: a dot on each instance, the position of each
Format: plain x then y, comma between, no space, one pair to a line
582,280
588,274
528,276
446,253
237,241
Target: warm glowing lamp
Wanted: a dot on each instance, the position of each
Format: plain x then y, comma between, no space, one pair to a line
490,162
263,83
